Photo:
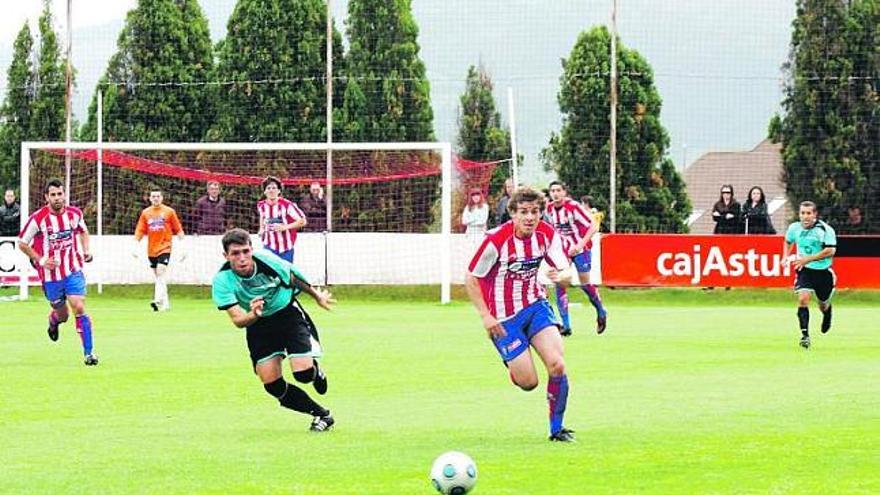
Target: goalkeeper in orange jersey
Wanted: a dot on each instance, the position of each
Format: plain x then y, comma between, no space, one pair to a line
159,223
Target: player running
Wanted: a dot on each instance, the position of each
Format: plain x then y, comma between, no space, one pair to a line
58,259
279,220
159,223
576,227
502,282
816,245
257,290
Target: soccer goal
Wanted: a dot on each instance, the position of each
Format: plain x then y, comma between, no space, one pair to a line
382,216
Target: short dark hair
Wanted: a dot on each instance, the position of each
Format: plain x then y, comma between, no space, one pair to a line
809,204
235,236
53,182
525,195
557,183
270,179
587,200
154,188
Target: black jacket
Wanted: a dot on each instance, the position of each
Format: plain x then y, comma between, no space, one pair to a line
727,220
756,220
10,216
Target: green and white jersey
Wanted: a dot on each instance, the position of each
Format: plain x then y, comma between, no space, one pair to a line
811,241
271,280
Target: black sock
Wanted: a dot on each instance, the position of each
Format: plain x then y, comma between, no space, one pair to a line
804,320
826,319
293,397
307,375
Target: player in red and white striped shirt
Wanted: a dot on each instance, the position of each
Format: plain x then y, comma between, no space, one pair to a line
576,226
502,283
279,220
59,260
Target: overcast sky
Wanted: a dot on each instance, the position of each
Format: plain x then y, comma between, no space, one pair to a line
716,63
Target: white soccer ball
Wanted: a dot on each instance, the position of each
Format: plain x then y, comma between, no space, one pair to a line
454,473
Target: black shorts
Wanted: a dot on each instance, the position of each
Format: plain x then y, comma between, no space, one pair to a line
286,333
819,281
163,259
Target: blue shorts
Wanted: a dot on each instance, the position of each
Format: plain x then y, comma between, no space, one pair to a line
583,261
522,327
72,285
285,255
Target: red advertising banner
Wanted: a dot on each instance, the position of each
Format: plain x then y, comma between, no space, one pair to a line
678,260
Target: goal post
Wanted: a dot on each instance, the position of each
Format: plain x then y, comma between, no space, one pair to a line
391,208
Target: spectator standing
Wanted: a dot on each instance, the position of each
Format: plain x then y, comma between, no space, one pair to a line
756,218
726,213
211,212
314,206
501,213
10,215
475,215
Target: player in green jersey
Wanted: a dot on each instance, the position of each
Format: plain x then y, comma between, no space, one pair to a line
816,245
258,291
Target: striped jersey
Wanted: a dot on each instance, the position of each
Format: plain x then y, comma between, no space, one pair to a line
54,235
571,221
282,212
507,267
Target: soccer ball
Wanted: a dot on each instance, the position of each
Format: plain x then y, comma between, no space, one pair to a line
454,473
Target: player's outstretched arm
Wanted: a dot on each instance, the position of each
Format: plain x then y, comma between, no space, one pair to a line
321,296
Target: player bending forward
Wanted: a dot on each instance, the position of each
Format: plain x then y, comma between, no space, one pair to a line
502,283
257,290
58,258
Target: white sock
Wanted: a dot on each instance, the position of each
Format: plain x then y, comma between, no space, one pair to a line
162,290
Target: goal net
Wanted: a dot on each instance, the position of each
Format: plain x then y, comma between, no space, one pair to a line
390,215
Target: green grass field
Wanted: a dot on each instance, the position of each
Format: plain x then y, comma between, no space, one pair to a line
687,392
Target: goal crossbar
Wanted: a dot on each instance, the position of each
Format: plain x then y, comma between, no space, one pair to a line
444,149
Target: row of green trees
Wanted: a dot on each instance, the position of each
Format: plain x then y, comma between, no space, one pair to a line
268,82
651,195
34,103
830,127
265,81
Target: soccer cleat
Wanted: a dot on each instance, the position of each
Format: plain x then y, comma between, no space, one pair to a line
565,332
90,360
563,435
154,305
805,341
601,323
320,381
322,423
53,332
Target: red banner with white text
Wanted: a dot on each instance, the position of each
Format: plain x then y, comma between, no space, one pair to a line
657,260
